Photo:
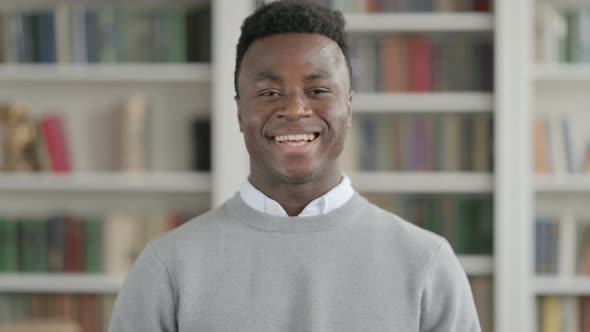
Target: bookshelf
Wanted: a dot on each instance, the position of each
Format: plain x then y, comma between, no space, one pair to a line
208,89
552,101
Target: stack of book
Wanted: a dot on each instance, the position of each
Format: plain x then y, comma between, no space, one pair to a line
563,314
372,6
466,222
561,143
47,312
69,243
547,245
398,63
562,36
119,139
450,142
80,33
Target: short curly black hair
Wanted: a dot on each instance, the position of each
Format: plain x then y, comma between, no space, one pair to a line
291,16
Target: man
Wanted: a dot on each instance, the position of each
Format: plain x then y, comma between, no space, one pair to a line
296,249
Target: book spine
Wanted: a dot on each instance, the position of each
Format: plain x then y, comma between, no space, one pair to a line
54,137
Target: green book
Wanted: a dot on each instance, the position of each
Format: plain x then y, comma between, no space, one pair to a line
92,243
175,27
465,226
8,245
33,245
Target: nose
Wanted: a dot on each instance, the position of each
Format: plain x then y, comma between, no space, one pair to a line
294,106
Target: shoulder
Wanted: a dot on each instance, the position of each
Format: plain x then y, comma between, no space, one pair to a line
404,232
194,235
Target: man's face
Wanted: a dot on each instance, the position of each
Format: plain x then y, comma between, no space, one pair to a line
294,106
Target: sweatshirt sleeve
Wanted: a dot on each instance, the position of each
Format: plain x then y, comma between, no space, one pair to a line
447,301
146,302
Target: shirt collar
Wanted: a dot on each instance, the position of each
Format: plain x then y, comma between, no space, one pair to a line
330,201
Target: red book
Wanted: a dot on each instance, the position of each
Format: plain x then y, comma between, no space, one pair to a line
420,64
90,313
52,129
481,5
584,314
73,245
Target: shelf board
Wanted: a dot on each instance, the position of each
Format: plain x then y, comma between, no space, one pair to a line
562,72
477,265
422,182
60,283
414,22
579,183
474,265
464,102
137,72
576,286
188,182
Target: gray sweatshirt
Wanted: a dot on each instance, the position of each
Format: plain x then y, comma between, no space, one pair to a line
357,268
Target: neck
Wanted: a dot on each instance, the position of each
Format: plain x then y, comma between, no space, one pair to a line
295,196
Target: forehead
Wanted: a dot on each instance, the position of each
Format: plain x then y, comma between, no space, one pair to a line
293,51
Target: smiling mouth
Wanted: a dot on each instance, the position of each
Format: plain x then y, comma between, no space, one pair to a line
297,139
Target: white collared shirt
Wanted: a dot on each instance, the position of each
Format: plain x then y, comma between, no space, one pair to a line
330,201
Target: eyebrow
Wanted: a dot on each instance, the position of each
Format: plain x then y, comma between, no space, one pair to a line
318,75
269,76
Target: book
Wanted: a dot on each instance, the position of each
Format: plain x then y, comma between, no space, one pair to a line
124,238
483,295
55,140
420,64
9,245
551,321
394,63
201,132
130,150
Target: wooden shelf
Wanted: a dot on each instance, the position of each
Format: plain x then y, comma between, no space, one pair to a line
422,182
189,182
576,286
562,183
562,72
153,72
60,283
411,22
464,102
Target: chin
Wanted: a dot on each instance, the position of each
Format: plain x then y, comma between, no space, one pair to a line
298,176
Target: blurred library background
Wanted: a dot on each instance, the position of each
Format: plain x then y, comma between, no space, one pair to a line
470,119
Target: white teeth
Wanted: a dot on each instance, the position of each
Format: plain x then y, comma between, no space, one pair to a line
298,137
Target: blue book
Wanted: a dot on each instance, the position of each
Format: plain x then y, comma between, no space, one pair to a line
92,38
368,151
46,32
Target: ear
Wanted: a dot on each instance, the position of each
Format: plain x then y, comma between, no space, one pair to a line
239,113
349,106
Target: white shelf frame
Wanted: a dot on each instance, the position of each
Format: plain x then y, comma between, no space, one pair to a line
60,283
187,183
416,22
442,102
474,265
564,183
136,72
562,73
423,182
558,285
477,265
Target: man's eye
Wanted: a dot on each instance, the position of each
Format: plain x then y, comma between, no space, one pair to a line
269,94
317,91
